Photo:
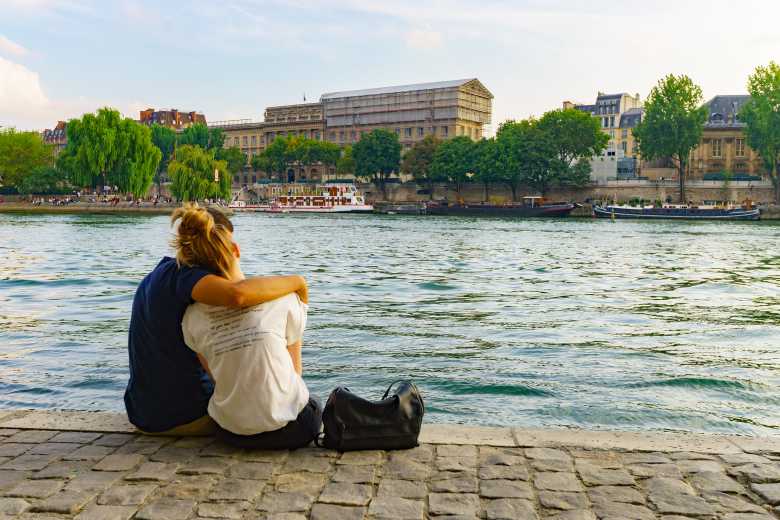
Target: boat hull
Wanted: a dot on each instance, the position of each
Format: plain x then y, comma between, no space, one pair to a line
367,208
676,213
550,210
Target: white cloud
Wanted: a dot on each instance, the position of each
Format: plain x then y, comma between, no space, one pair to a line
424,39
25,105
10,47
20,89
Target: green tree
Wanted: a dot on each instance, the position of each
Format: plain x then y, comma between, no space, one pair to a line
21,153
672,123
418,160
103,148
454,161
274,158
44,180
233,157
216,138
761,114
487,163
346,163
196,135
377,157
165,139
197,175
575,134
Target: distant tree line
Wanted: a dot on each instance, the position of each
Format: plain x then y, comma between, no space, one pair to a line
105,149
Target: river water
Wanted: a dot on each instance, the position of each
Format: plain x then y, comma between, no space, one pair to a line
567,323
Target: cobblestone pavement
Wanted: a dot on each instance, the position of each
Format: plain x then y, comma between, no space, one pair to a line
105,475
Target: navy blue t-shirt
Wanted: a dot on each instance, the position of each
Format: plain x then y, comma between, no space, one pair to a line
167,387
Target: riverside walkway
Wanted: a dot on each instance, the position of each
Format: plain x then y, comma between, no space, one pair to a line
92,466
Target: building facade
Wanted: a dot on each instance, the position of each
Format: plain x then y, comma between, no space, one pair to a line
445,109
56,137
723,150
618,114
172,118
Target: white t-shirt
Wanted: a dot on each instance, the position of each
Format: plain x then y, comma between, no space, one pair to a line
256,387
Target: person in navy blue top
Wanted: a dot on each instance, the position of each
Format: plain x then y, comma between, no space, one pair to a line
169,390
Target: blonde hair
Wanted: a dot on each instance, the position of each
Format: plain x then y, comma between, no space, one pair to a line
203,238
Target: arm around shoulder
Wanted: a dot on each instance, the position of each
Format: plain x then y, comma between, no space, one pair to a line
215,290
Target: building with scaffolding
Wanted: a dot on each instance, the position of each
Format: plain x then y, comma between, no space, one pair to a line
444,109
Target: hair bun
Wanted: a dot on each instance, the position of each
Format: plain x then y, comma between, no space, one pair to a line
195,221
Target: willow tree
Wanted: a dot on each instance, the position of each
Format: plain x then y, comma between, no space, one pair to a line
105,149
761,114
672,123
196,175
163,138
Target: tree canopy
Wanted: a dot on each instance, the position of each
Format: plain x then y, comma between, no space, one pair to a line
345,165
576,134
418,160
672,123
200,135
454,160
21,153
197,175
103,148
761,114
44,180
377,157
233,157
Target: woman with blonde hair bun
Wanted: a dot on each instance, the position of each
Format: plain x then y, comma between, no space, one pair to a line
169,389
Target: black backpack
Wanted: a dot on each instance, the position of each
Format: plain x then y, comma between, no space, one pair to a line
353,423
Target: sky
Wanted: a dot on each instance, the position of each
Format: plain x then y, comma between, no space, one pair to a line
231,58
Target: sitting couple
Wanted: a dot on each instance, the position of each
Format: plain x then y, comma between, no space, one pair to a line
214,352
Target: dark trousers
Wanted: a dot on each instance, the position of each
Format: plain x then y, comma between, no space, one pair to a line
296,434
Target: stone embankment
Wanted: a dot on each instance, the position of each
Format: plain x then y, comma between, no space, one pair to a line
92,208
90,466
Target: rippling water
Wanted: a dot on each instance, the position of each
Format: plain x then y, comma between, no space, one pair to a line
596,324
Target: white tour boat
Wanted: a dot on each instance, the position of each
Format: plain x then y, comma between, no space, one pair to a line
326,198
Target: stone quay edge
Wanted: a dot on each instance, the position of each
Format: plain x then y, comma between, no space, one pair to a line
94,465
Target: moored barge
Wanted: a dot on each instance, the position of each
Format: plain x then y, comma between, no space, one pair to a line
678,212
530,207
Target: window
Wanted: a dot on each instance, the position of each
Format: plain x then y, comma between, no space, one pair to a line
317,135
235,141
254,140
445,131
254,179
624,144
612,121
739,147
407,132
236,179
246,140
716,147
624,133
341,136
398,131
605,122
420,131
332,136
353,135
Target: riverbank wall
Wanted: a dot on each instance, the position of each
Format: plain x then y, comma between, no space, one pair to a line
697,191
91,209
95,465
